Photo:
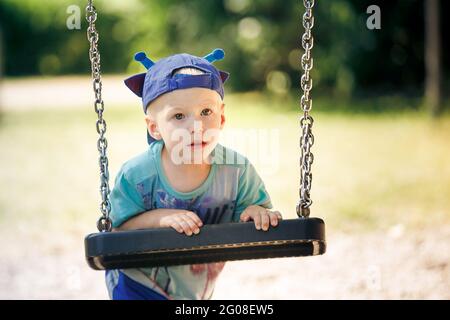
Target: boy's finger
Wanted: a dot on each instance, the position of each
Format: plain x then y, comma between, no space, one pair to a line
195,218
273,218
193,227
176,225
245,217
257,219
265,219
186,227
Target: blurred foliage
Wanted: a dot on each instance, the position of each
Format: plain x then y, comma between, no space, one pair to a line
261,39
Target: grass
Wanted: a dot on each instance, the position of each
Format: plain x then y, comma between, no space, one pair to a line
370,171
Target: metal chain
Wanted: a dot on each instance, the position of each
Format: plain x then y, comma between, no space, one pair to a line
306,121
104,223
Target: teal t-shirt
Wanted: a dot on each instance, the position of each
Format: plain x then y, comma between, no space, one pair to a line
141,185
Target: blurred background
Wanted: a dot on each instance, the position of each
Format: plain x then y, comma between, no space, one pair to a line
381,175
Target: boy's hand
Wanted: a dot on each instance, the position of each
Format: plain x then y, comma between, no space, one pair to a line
262,217
183,221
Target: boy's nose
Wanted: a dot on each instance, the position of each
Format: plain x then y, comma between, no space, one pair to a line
196,126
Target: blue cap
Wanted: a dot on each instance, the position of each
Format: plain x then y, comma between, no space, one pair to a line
159,78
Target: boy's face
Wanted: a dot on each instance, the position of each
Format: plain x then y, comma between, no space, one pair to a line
189,121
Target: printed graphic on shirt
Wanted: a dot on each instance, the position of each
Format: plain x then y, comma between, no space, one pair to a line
210,209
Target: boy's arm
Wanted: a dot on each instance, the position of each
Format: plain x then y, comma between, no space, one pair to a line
128,211
253,201
183,221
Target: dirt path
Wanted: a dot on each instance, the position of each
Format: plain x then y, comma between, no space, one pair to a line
375,266
392,265
61,92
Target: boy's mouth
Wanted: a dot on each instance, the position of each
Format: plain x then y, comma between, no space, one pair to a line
198,144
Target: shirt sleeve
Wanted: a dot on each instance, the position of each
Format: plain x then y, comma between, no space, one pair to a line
125,200
251,191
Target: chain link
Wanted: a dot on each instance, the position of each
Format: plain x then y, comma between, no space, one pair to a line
104,223
306,121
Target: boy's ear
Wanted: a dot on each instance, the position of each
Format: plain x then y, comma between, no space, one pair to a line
152,128
222,116
224,75
136,83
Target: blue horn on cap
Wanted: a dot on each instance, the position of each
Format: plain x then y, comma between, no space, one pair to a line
215,55
142,58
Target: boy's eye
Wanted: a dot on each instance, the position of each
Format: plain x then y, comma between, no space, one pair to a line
179,116
206,112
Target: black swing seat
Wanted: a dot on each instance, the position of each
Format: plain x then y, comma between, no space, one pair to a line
214,243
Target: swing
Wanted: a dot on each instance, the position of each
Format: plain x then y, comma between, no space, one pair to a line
303,236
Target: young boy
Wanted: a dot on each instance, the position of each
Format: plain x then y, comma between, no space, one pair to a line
185,179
